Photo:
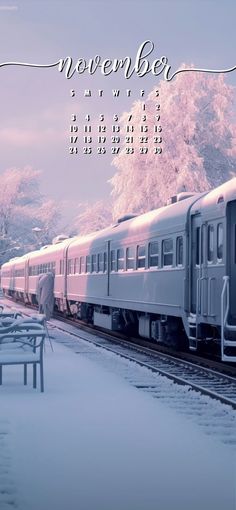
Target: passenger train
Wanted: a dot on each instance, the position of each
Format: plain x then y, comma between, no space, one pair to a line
168,274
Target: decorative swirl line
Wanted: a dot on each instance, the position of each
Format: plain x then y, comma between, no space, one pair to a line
198,70
28,65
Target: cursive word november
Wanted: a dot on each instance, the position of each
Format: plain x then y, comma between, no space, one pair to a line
141,65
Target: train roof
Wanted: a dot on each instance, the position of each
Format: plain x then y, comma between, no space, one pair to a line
168,218
220,195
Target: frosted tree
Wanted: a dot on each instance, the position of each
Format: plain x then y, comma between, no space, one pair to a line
22,207
48,215
19,189
93,217
198,143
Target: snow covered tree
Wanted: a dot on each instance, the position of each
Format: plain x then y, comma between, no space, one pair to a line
22,207
93,217
198,143
19,189
48,215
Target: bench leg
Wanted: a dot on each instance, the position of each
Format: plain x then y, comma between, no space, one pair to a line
25,374
0,374
34,375
41,376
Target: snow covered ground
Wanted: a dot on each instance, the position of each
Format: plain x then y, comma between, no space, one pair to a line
94,442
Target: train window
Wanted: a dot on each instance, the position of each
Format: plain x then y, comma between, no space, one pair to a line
167,251
210,243
113,260
61,266
220,241
100,263
153,251
120,259
88,264
105,261
82,265
197,246
70,266
130,253
141,257
179,251
76,268
93,263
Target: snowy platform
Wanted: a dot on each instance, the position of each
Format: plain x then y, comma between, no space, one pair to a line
94,442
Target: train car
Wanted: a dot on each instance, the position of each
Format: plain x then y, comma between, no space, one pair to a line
164,273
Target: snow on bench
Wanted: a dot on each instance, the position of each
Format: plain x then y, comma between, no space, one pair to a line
21,343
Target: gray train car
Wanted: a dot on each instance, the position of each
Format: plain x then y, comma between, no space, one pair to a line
162,273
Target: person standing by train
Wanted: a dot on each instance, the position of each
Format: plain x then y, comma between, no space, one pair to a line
45,294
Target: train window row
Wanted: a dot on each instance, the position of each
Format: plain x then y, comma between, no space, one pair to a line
6,273
19,272
141,256
95,263
42,268
131,258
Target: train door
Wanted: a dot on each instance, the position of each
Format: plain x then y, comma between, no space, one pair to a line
196,262
231,257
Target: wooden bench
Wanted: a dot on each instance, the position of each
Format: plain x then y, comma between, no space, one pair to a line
21,343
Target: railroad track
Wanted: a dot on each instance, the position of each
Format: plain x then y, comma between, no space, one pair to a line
205,380
209,382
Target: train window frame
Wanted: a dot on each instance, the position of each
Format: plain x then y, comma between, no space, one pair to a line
105,261
76,265
113,264
152,256
197,252
179,251
61,266
88,264
100,262
166,253
93,263
82,264
210,243
218,245
70,266
130,257
120,259
140,259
